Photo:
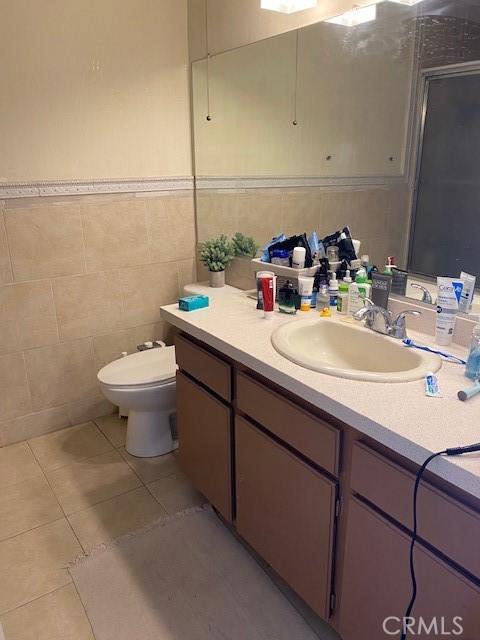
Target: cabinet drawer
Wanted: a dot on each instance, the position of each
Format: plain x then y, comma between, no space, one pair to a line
376,584
285,511
204,433
205,367
451,527
309,435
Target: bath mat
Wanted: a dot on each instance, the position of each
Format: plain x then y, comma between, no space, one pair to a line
185,578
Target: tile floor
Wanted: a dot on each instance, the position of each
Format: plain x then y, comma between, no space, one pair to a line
62,494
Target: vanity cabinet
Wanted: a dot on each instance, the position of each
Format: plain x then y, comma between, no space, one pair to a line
204,432
444,523
376,584
327,508
308,434
286,512
210,370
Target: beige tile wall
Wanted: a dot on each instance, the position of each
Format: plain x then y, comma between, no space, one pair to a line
82,279
379,217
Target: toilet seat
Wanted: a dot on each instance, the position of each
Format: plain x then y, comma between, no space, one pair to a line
148,368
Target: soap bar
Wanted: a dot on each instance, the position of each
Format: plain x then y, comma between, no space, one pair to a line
190,303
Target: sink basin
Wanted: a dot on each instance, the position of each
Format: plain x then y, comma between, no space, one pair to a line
351,351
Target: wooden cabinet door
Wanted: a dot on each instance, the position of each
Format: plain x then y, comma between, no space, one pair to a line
286,512
376,587
204,433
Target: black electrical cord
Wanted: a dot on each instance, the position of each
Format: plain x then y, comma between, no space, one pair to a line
454,451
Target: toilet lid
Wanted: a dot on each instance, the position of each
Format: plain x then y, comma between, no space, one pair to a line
144,367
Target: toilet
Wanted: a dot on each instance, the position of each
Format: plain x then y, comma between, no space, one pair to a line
144,383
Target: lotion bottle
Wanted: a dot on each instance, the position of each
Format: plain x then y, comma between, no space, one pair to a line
333,292
355,298
342,298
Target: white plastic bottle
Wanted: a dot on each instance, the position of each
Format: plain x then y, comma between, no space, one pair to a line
298,257
355,298
342,298
333,292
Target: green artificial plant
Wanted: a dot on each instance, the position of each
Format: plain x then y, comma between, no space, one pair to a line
244,245
217,254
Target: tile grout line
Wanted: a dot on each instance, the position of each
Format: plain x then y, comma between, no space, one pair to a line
4,218
84,609
38,526
47,593
54,302
66,464
27,378
66,516
84,244
92,506
130,466
56,497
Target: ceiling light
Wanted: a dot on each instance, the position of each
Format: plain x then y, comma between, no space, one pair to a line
409,3
288,6
359,15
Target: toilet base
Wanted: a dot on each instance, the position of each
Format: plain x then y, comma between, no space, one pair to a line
149,434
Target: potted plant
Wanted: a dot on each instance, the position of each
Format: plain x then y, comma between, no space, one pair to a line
216,255
240,274
244,246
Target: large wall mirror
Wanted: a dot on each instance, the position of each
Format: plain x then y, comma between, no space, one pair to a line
375,126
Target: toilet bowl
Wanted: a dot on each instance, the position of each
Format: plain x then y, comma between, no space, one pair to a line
144,383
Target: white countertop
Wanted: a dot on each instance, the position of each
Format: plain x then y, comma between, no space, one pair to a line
397,415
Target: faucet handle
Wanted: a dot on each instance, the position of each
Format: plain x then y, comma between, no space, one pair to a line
427,296
362,312
399,325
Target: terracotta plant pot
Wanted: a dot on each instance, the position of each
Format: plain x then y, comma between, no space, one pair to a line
217,279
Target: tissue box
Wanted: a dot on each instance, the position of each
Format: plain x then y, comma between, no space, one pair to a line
190,303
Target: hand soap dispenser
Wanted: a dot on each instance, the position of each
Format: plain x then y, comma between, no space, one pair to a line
363,287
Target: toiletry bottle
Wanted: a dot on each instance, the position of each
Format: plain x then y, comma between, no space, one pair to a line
355,298
363,287
316,287
333,292
298,257
449,292
380,290
472,370
287,298
389,266
305,289
268,291
399,281
260,275
323,298
332,253
342,298
468,291
365,261
348,277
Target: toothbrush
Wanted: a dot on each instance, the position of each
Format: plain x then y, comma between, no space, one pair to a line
446,356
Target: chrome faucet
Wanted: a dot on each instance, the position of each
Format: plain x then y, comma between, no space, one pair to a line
427,296
395,327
